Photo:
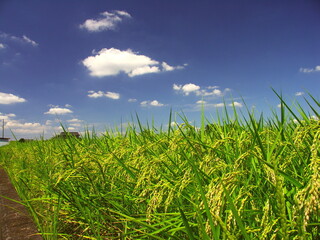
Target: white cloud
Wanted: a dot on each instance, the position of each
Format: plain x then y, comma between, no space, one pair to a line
174,124
74,120
25,128
112,95
8,98
236,104
214,92
93,94
112,61
299,93
144,70
186,89
48,122
153,103
192,88
23,39
6,116
15,124
36,129
310,70
75,125
2,46
58,111
28,40
218,105
52,106
144,103
166,67
99,94
132,100
33,129
177,87
212,87
123,13
107,21
201,102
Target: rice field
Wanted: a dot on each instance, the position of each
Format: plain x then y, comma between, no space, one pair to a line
240,177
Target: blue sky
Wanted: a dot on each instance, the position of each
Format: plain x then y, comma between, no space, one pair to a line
97,63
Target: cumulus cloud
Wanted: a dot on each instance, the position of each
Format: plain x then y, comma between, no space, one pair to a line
193,88
144,70
74,120
112,61
99,94
35,129
214,92
201,102
235,104
299,93
8,98
17,124
31,129
48,122
310,70
25,128
109,62
107,21
112,95
167,68
187,88
93,94
6,117
153,103
218,105
58,111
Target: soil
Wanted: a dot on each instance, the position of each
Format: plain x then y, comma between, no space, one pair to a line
15,221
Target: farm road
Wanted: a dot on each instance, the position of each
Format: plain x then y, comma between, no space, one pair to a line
15,222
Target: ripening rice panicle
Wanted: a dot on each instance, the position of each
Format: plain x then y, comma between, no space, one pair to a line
266,224
212,166
215,195
308,199
217,200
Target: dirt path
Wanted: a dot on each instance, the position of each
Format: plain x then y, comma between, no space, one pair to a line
15,222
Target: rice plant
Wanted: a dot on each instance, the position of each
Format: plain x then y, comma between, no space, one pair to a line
244,177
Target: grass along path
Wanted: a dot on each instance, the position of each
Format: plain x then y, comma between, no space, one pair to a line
253,178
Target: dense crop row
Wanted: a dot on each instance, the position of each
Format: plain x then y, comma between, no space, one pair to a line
253,178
